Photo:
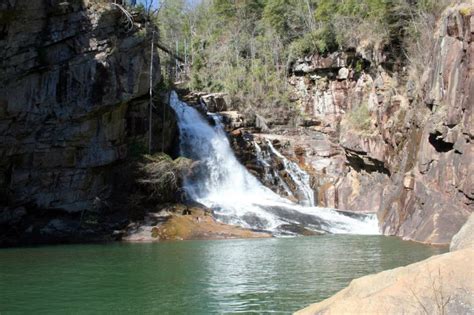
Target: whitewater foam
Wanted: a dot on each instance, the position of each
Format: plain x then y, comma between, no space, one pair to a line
237,197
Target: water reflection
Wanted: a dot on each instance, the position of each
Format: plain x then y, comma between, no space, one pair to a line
196,277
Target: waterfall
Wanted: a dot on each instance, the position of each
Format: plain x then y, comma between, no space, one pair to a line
236,196
272,175
298,176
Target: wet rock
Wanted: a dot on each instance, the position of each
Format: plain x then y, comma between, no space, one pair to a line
197,223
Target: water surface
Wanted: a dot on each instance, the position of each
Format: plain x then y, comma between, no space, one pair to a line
278,275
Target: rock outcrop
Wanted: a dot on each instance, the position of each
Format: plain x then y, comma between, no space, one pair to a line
432,195
387,139
438,285
181,222
465,237
442,284
73,109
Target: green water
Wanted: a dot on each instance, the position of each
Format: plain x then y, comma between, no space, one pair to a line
194,277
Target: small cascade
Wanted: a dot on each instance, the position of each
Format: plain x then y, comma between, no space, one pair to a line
272,175
221,183
301,179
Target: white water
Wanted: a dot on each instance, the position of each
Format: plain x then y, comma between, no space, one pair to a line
270,175
236,196
299,177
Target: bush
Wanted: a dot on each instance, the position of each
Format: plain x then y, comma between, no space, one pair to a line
322,41
161,178
359,118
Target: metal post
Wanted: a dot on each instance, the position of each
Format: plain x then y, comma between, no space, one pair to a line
176,59
150,114
185,53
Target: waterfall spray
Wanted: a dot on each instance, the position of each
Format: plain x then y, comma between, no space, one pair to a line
237,197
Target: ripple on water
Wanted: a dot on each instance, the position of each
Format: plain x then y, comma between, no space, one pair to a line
194,277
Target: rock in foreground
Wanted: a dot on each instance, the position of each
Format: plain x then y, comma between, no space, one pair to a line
465,237
442,284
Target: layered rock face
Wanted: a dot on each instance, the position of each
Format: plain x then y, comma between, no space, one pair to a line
409,158
73,107
376,137
437,194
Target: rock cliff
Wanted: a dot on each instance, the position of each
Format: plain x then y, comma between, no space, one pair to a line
378,136
73,108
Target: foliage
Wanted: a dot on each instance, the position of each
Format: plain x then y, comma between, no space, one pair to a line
359,117
245,47
161,177
322,40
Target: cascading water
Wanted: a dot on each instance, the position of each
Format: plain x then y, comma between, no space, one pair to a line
272,175
237,197
299,177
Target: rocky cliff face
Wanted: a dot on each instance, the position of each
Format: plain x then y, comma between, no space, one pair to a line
408,158
73,108
437,194
377,137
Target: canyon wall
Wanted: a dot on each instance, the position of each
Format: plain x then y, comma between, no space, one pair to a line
73,109
408,152
377,136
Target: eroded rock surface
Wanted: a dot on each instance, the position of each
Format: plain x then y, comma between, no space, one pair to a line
379,139
73,108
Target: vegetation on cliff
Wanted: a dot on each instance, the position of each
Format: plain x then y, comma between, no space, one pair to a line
246,48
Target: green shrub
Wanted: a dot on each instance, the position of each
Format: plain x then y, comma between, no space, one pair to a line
360,118
161,178
322,41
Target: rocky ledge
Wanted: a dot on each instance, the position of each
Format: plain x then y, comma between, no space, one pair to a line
181,222
396,142
442,284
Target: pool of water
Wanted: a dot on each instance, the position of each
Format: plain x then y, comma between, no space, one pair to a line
278,275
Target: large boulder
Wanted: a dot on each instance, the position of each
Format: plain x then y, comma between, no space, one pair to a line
442,284
465,237
216,102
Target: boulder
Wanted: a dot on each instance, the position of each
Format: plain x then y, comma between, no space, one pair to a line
232,120
442,284
216,102
343,73
465,237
